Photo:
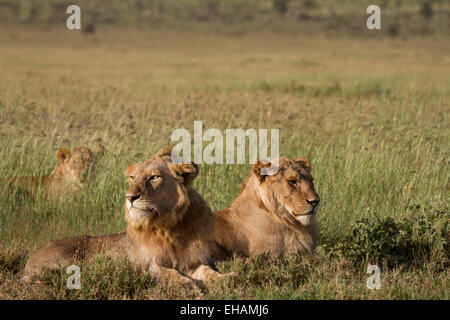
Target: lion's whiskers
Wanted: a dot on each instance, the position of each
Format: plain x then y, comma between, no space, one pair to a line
150,205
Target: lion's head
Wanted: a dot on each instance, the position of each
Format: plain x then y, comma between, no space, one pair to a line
290,191
157,191
73,171
75,167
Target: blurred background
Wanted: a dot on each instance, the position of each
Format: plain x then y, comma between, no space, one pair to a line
400,18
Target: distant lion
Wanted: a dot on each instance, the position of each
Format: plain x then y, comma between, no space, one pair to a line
169,226
70,175
64,252
273,214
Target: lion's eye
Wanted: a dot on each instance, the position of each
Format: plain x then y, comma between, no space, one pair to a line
154,178
132,179
293,182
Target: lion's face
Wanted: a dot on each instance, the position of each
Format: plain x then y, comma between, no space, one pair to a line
157,189
77,166
291,188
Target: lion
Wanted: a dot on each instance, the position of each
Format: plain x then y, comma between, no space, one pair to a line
272,214
64,252
169,227
71,174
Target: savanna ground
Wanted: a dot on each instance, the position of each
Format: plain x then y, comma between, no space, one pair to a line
370,114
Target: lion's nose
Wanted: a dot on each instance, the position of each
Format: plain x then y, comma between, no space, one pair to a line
132,197
314,202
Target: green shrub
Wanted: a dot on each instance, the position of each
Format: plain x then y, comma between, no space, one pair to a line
281,6
411,241
426,9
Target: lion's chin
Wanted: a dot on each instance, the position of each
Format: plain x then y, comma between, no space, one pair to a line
136,213
305,218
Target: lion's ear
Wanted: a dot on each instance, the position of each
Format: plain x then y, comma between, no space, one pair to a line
304,163
187,171
63,154
129,170
166,151
257,169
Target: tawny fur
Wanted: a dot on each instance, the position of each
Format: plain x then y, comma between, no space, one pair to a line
169,228
64,252
69,176
271,214
177,234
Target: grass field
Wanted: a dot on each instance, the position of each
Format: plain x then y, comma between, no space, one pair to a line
371,115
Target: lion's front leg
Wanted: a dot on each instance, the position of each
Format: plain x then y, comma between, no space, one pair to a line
172,276
206,273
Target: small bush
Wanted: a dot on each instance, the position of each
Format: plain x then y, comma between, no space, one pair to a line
392,242
393,30
426,10
281,6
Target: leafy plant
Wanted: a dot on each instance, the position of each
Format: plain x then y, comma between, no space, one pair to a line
394,242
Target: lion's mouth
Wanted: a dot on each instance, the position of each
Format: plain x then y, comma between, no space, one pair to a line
306,218
311,211
138,212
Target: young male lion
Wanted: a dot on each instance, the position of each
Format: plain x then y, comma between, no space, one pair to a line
70,175
274,214
169,226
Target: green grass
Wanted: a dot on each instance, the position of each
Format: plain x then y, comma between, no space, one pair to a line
372,116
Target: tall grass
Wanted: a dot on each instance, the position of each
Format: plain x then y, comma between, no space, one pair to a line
375,129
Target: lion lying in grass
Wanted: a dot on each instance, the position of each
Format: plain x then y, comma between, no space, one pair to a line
274,214
169,227
70,175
